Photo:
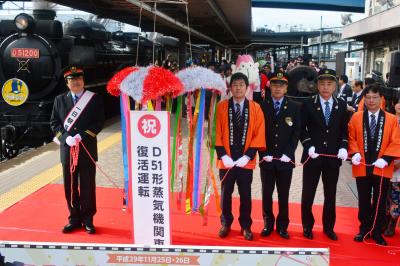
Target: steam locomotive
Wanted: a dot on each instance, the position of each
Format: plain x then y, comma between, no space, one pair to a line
33,53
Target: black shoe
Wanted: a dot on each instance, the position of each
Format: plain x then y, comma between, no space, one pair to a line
307,233
248,235
360,236
224,231
331,235
283,233
90,228
71,227
379,240
266,231
391,227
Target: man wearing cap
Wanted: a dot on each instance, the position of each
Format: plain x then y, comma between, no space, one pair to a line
78,116
282,132
324,131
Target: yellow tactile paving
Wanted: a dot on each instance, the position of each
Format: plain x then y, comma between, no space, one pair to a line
35,183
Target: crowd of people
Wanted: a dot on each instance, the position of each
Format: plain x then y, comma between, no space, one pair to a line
341,122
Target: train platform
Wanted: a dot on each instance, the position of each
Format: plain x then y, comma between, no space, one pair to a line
32,208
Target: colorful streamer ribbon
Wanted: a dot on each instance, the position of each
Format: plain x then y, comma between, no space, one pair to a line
198,155
175,139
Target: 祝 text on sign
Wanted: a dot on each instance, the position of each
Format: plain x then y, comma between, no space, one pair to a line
150,185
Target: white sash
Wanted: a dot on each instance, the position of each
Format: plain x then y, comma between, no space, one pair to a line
77,110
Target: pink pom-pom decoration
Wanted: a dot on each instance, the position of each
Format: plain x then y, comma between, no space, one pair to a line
113,85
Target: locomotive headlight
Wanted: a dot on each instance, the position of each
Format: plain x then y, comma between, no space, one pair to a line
23,22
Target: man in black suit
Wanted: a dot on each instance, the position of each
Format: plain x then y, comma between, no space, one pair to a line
345,91
78,116
324,131
282,132
357,86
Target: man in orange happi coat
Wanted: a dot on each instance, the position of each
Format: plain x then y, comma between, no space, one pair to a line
373,139
240,134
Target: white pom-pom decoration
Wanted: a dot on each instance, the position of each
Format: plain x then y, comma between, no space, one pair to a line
194,78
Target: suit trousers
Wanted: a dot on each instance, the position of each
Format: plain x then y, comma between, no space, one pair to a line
282,178
312,171
243,178
83,206
367,211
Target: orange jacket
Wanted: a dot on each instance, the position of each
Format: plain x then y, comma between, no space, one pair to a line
255,133
390,143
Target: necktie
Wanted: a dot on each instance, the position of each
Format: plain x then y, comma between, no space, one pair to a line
354,98
277,107
327,112
372,126
238,114
75,98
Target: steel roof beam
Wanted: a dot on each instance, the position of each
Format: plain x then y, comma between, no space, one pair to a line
174,22
217,10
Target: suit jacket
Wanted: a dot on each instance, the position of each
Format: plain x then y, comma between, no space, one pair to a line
356,102
327,139
255,137
88,125
347,94
282,131
389,148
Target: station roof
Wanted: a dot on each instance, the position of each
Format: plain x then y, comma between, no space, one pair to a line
219,22
274,39
372,25
224,23
332,5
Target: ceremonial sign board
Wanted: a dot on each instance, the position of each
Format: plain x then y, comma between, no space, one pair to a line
150,139
23,253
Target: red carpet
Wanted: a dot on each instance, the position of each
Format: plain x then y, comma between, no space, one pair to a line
40,217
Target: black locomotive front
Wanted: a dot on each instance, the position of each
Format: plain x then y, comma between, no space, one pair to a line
34,52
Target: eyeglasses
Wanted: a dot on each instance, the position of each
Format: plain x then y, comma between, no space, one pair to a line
372,98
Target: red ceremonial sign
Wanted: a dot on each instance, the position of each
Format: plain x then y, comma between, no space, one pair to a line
25,53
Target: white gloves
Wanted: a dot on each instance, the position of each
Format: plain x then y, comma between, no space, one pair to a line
380,163
227,161
284,158
71,141
342,154
78,138
356,159
268,158
56,141
242,161
312,153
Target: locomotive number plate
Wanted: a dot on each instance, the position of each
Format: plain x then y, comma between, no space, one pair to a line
25,53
